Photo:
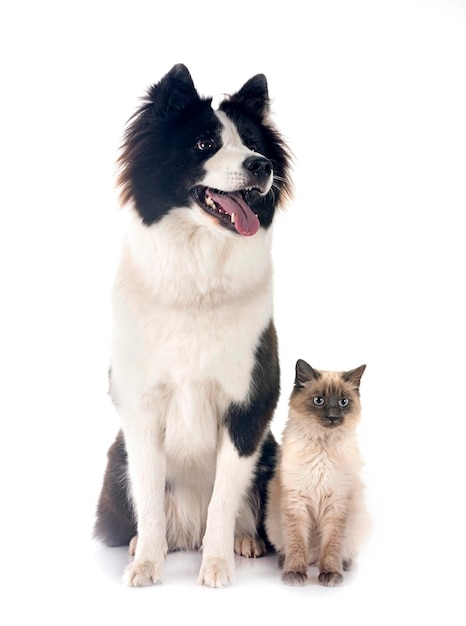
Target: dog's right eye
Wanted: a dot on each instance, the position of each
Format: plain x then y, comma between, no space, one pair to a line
319,401
205,144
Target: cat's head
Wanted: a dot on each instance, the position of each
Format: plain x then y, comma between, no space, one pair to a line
330,399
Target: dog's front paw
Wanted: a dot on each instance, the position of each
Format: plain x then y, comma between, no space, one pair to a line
141,573
250,547
216,573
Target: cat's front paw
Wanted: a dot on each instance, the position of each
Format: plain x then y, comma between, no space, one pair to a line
141,573
250,547
216,572
297,579
330,579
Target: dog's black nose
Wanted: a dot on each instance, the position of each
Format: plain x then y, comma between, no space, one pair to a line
258,166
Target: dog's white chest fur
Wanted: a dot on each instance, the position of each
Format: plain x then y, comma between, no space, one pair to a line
187,316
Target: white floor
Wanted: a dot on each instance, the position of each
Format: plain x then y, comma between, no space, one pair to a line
369,268
410,570
82,586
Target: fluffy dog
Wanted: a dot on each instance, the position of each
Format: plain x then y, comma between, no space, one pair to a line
194,370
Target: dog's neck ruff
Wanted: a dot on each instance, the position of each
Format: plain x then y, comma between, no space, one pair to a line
185,263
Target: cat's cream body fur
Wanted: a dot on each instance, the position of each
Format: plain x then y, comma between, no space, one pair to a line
316,511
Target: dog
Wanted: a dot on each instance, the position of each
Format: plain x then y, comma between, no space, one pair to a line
194,368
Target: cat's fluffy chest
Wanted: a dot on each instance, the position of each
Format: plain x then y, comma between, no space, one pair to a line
318,468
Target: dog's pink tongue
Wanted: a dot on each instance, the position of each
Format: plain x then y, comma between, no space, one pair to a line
245,221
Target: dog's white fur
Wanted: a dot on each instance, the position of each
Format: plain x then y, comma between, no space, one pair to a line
190,301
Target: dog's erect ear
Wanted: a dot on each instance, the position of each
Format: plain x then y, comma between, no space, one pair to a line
254,94
174,92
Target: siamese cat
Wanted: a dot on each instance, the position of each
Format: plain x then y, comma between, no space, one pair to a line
316,512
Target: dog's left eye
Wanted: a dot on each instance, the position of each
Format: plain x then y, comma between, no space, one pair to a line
205,144
344,402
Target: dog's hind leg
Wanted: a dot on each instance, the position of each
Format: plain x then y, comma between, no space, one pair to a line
115,523
249,546
247,541
251,539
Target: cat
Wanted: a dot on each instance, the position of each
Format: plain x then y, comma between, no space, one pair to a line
316,512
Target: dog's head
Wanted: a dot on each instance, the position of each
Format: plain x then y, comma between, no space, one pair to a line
229,166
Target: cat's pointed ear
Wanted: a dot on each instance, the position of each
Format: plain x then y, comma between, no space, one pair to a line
304,373
354,376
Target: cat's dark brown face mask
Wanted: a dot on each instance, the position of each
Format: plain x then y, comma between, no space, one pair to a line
329,398
330,409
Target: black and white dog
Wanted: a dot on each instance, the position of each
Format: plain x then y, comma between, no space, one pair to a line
194,364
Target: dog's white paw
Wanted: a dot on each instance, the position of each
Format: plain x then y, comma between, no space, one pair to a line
132,545
216,572
250,547
141,573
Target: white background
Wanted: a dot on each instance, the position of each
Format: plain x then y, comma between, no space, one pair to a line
369,263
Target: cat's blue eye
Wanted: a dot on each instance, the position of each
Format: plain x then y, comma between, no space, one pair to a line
319,401
344,402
